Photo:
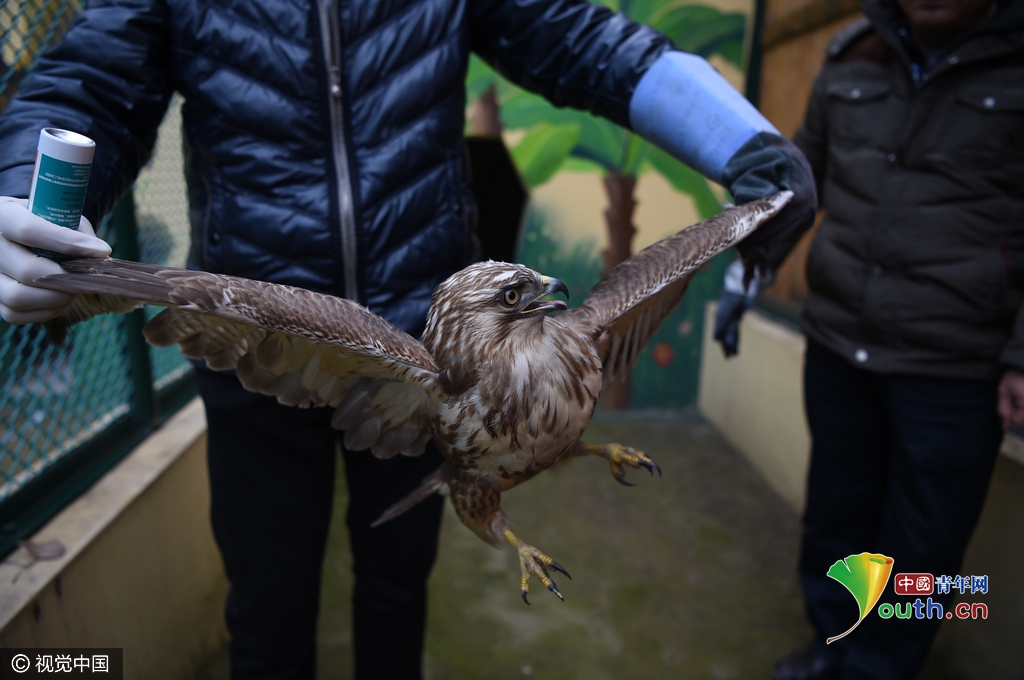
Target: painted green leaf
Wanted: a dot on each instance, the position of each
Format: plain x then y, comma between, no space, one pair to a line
478,78
635,152
703,30
600,140
686,180
575,164
543,150
732,51
640,10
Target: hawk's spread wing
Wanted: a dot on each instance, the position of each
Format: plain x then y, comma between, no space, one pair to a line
305,348
626,307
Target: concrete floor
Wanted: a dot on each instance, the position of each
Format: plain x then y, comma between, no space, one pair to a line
688,576
692,575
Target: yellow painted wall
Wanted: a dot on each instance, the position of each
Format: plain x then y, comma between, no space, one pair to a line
142,571
755,399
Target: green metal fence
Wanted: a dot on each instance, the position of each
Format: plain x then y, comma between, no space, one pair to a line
67,414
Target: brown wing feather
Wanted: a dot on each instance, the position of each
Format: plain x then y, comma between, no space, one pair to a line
627,306
83,308
305,348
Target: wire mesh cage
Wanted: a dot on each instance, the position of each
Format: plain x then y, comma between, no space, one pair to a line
55,400
162,227
27,29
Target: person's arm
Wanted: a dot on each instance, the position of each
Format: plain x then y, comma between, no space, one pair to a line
572,52
1011,387
686,107
583,55
737,294
1011,398
109,80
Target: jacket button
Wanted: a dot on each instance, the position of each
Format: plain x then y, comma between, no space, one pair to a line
989,102
860,356
891,158
953,59
214,237
856,93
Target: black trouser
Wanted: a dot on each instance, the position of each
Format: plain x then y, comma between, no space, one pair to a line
272,486
900,465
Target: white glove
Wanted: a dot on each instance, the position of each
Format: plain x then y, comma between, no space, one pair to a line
20,301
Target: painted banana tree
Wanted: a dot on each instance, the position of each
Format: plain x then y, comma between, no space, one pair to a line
558,139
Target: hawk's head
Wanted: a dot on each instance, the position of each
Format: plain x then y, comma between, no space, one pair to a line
486,303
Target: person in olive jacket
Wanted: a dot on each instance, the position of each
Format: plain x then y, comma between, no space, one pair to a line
324,149
914,323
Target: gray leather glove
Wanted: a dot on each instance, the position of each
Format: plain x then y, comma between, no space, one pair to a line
20,301
765,165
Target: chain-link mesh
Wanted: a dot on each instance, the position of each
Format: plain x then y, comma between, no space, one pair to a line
27,29
53,400
161,212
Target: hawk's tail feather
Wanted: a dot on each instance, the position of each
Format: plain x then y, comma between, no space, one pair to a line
435,482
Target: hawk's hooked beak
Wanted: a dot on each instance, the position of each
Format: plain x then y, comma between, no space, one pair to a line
553,286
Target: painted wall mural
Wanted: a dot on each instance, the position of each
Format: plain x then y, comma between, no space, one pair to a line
600,193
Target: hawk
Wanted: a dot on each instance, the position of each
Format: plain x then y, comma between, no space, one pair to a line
504,389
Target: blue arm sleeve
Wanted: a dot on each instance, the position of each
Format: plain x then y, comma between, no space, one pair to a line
683,105
687,108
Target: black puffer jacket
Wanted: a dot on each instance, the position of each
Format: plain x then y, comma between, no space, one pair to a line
918,266
324,139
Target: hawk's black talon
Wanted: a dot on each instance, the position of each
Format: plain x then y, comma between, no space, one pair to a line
524,596
651,467
623,482
558,567
553,588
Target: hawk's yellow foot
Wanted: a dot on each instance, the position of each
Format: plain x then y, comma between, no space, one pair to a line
619,455
534,562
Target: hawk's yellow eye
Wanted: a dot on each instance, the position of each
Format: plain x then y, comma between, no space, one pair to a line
511,296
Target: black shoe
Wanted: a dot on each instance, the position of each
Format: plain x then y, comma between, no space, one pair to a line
804,663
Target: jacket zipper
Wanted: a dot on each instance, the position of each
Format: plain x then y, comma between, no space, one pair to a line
330,36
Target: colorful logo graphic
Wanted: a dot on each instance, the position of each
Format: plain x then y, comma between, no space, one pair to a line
865,576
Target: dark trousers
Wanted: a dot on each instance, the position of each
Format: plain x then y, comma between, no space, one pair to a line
272,473
900,465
